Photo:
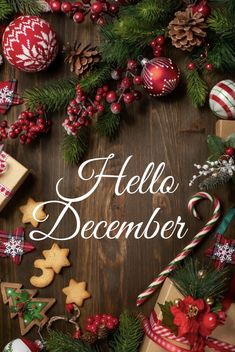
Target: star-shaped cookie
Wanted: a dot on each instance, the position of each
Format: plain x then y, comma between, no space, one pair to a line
27,211
56,258
76,292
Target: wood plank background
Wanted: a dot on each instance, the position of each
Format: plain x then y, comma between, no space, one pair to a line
167,129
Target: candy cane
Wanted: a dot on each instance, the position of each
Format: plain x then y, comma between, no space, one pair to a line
187,250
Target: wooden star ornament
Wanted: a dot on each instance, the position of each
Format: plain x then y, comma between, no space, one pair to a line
13,245
27,211
76,292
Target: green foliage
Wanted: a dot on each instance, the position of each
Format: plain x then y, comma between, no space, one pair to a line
95,78
197,88
128,336
222,22
75,147
59,342
52,97
216,147
5,10
222,54
108,124
213,182
187,280
168,317
29,7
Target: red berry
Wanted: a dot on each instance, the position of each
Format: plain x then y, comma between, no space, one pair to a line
100,108
30,115
55,5
105,88
94,17
111,96
69,307
113,8
210,321
110,325
191,66
158,51
3,124
202,8
116,108
24,114
97,7
66,7
77,4
160,40
98,97
153,43
137,80
12,134
209,67
101,21
77,334
86,1
78,17
125,83
131,65
128,98
229,151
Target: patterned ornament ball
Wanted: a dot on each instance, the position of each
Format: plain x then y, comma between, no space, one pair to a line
222,99
23,345
160,76
29,44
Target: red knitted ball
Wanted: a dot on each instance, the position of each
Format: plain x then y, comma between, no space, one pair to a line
29,43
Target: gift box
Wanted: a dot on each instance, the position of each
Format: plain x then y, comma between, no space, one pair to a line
169,293
12,175
224,128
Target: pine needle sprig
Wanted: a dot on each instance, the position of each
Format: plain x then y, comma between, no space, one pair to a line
95,78
108,124
59,342
51,97
222,23
197,88
128,336
5,10
189,283
75,147
26,7
222,54
214,182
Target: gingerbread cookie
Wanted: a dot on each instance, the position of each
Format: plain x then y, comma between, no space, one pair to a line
76,292
30,311
27,211
55,260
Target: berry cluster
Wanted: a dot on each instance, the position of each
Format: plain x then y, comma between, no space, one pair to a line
157,45
78,10
81,109
27,127
101,320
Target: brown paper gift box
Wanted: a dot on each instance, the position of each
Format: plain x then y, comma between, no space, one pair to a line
224,128
168,293
12,179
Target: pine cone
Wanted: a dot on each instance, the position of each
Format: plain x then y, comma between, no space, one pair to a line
89,337
81,59
187,29
102,333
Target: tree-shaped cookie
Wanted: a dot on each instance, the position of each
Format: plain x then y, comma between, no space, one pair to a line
30,311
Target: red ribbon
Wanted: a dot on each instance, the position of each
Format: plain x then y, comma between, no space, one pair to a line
161,336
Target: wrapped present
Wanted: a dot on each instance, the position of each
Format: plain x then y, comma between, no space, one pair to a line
12,175
160,339
224,128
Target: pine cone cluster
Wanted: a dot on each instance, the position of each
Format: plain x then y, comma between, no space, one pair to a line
81,58
187,29
90,338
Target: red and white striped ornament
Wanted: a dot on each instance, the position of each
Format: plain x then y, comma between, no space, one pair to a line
222,99
29,43
23,345
160,76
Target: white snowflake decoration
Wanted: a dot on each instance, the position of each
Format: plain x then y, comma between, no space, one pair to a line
224,252
6,95
13,247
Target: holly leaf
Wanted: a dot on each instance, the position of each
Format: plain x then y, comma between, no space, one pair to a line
216,145
167,317
217,307
230,141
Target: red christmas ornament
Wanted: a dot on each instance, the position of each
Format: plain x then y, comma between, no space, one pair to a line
160,76
29,43
229,151
203,8
210,321
23,345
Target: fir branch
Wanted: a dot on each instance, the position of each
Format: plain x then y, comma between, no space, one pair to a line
189,283
59,342
108,124
197,88
75,147
26,7
222,54
52,96
214,182
222,23
95,78
5,10
128,336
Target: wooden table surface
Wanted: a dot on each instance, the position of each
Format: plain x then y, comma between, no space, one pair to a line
167,129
